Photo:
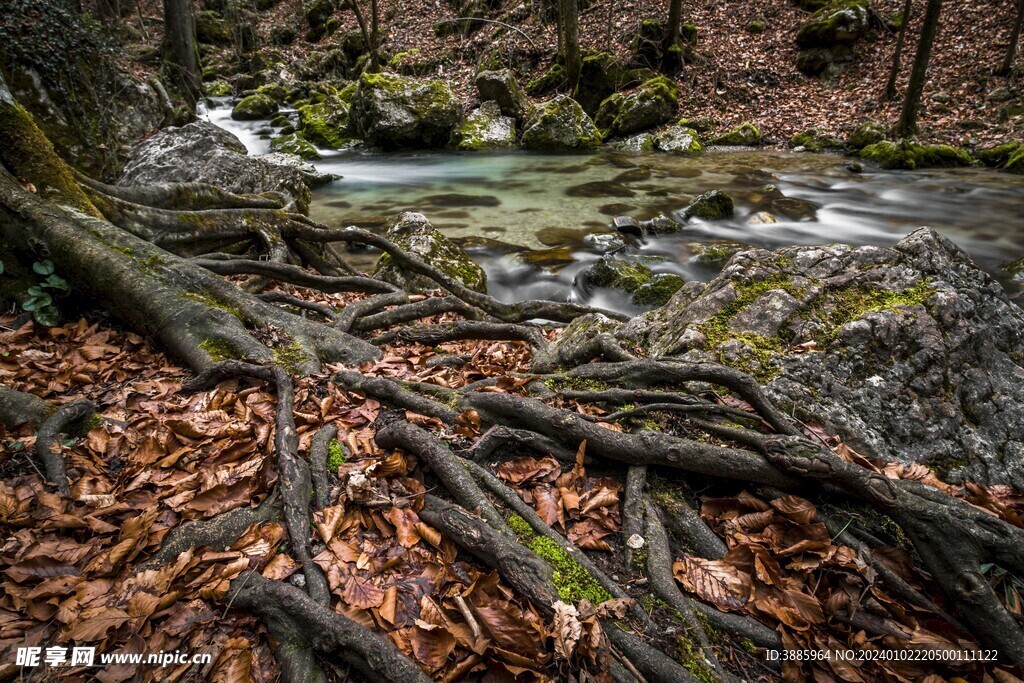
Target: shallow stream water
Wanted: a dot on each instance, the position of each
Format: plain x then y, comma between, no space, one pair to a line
531,219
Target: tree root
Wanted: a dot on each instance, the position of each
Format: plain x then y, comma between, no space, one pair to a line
64,418
18,408
293,275
415,311
297,621
319,452
633,511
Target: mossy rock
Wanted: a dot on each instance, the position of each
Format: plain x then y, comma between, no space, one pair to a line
757,25
283,35
274,91
293,144
743,135
631,276
906,155
317,12
549,81
711,206
998,155
325,124
414,233
813,140
211,28
843,22
1014,268
254,107
828,62
714,254
701,124
394,112
601,75
501,86
560,125
485,129
678,140
867,133
218,88
651,104
1015,164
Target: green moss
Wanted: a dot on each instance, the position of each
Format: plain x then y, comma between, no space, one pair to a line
325,123
213,303
335,455
220,349
293,144
575,383
572,581
218,88
999,154
867,133
907,155
291,357
847,305
520,526
813,140
743,135
254,107
691,656
549,81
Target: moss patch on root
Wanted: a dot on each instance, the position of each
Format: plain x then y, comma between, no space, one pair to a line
572,581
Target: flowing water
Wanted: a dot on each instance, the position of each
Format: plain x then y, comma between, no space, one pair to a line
533,220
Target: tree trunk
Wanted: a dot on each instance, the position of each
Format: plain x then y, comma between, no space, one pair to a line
1011,50
890,87
374,36
181,53
571,26
675,17
907,124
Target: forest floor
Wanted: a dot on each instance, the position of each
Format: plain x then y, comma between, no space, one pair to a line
738,76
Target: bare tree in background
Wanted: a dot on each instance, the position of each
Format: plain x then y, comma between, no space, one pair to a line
890,87
907,125
675,17
1011,51
570,19
181,53
370,31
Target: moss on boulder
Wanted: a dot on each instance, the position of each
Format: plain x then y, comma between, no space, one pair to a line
907,155
843,22
217,88
560,125
813,140
414,233
394,112
547,82
631,276
293,144
678,140
653,103
326,123
824,61
867,133
710,206
253,107
502,87
743,135
485,128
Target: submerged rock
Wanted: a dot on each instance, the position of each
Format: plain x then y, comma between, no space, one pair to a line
909,353
203,152
414,233
394,112
485,128
560,125
502,87
710,206
632,277
653,103
743,135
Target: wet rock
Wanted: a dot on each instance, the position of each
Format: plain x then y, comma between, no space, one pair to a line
293,144
502,87
414,233
644,142
651,104
394,112
1008,156
203,152
744,135
909,156
710,206
762,218
599,189
661,225
325,123
632,277
217,88
455,199
560,124
254,107
678,140
714,254
813,140
627,225
794,209
486,128
909,353
604,242
310,175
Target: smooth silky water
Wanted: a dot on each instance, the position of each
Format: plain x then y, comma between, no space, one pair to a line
525,217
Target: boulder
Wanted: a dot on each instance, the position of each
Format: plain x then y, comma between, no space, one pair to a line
743,135
325,123
502,87
907,155
414,233
843,22
601,75
560,125
909,353
395,112
813,140
485,128
824,61
867,133
651,104
710,206
293,144
631,276
254,107
678,140
203,152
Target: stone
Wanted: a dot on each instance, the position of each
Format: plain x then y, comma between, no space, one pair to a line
678,140
394,112
843,22
1000,94
414,233
560,125
828,62
909,353
743,135
325,123
631,276
502,87
486,128
909,156
601,75
710,206
627,225
254,107
651,104
203,152
293,144
714,254
813,140
867,133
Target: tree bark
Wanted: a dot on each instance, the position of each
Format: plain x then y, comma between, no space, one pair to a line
181,52
571,28
907,124
890,86
675,17
1011,50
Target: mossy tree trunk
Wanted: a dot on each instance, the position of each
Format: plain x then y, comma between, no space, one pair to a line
181,51
675,17
907,125
1011,50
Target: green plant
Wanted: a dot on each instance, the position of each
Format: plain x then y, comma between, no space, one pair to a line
40,296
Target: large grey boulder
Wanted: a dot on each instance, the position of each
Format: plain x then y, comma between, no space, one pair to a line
502,87
560,125
486,128
909,353
414,233
653,103
394,112
203,152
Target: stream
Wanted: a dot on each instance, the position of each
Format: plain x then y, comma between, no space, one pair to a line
534,221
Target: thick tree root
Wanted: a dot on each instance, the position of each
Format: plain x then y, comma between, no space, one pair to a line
415,311
319,451
294,618
633,511
18,408
64,418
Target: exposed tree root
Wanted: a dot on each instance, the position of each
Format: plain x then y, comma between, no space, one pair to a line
18,408
319,451
64,418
